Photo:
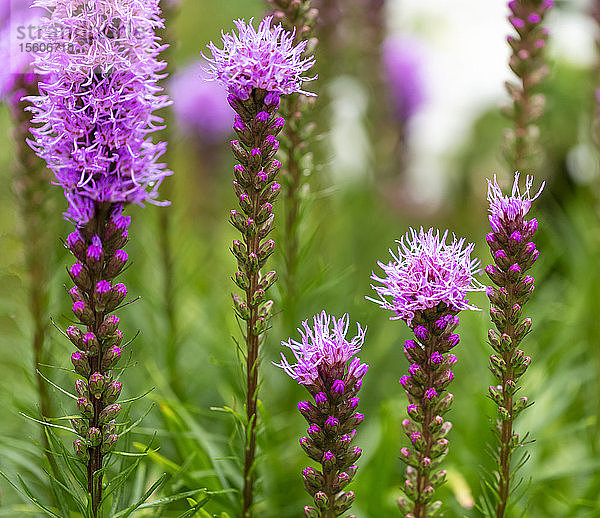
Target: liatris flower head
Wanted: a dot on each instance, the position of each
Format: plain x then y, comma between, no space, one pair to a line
265,58
510,211
199,105
327,366
402,67
96,107
427,272
324,350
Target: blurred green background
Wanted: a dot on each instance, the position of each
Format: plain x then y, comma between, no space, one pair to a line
349,223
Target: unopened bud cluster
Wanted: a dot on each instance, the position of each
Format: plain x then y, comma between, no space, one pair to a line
257,126
527,62
332,420
98,249
429,375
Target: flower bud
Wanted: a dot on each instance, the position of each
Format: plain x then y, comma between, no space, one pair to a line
504,414
265,227
332,424
80,362
496,394
116,264
311,512
270,194
338,387
241,279
238,249
112,392
258,297
321,400
439,447
343,502
83,312
115,339
421,333
313,480
415,413
81,388
81,450
94,436
80,426
109,442
76,245
312,451
239,151
523,328
111,357
321,500
109,428
497,316
240,307
80,276
343,479
109,413
266,310
252,262
267,280
308,410
264,213
445,404
354,455
76,294
76,336
242,177
238,220
109,326
94,255
495,275
91,344
86,409
354,421
97,382
115,297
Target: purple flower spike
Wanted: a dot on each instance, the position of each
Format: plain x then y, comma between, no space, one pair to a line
257,66
426,285
265,58
513,288
326,366
93,118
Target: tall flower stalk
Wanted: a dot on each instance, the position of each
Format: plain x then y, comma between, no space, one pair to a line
257,66
527,62
426,285
327,367
300,18
93,115
514,252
